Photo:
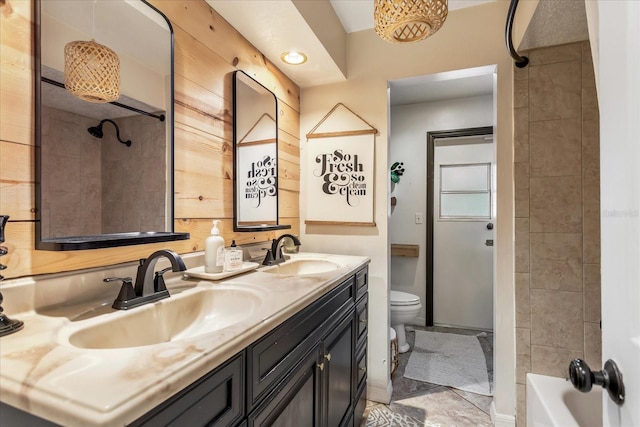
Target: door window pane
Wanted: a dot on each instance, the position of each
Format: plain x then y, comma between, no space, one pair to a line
465,178
465,205
465,191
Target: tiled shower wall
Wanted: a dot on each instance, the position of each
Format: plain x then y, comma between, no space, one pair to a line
71,194
86,174
557,214
134,176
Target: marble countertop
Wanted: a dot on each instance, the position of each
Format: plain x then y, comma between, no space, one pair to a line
42,373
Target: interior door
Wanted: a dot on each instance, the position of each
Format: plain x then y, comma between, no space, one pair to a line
617,71
463,232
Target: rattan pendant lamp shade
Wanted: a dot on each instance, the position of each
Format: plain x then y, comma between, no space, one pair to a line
92,71
404,21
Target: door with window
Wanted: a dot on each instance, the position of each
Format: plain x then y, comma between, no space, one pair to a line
463,232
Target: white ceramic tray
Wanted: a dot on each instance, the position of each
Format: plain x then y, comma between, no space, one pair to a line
199,272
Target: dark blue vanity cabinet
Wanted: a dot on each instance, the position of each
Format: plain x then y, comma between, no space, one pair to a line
309,371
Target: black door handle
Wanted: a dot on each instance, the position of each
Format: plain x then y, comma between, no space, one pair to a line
610,378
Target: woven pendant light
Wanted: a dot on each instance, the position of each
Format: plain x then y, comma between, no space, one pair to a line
404,21
91,71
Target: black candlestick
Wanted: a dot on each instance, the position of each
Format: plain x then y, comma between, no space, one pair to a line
7,325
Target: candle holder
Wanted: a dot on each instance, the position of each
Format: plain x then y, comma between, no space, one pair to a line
7,325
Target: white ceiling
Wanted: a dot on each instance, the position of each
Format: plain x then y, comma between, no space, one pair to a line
275,26
442,86
357,15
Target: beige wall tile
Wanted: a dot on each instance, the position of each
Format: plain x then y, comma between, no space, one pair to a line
590,111
555,204
556,261
555,91
591,156
553,54
521,135
523,307
523,354
555,147
520,87
591,297
552,361
588,75
557,185
522,245
591,234
521,405
591,190
593,345
521,171
557,319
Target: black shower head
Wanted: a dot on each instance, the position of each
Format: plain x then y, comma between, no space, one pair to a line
97,131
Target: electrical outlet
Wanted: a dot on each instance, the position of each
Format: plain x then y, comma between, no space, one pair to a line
418,217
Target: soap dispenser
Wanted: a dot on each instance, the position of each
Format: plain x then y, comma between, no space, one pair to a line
233,258
214,251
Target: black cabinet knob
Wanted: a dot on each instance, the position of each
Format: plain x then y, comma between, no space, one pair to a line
610,378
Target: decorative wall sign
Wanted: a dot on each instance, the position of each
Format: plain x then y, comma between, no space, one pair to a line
258,173
340,184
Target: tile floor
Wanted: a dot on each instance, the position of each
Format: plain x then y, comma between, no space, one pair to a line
420,404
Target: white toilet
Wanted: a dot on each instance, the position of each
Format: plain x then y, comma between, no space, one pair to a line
404,308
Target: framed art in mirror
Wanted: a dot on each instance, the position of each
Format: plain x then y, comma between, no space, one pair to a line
104,124
255,151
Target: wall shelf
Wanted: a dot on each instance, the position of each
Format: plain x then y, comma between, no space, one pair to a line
405,250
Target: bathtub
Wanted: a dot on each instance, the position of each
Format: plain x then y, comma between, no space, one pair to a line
553,401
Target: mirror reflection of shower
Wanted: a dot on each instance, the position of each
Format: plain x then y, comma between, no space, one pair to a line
97,131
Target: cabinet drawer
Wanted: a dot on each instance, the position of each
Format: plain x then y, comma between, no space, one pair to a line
362,282
214,400
362,313
274,355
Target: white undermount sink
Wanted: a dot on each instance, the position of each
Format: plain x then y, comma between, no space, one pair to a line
302,267
188,315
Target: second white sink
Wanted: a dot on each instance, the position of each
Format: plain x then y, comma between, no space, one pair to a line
302,267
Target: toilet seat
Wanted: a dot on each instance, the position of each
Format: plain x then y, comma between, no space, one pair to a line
398,298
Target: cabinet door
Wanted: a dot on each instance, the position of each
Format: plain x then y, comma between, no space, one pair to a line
214,400
296,400
339,359
275,355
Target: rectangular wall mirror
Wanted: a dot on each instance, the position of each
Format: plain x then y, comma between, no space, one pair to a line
104,170
255,151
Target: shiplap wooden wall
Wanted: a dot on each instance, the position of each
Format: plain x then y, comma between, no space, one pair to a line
207,51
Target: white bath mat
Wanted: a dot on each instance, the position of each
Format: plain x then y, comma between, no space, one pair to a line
449,359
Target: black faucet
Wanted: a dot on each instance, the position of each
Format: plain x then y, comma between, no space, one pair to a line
149,285
274,255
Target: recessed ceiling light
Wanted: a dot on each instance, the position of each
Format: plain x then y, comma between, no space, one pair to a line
294,58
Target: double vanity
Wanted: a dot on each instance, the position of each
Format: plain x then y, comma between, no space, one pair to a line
281,345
